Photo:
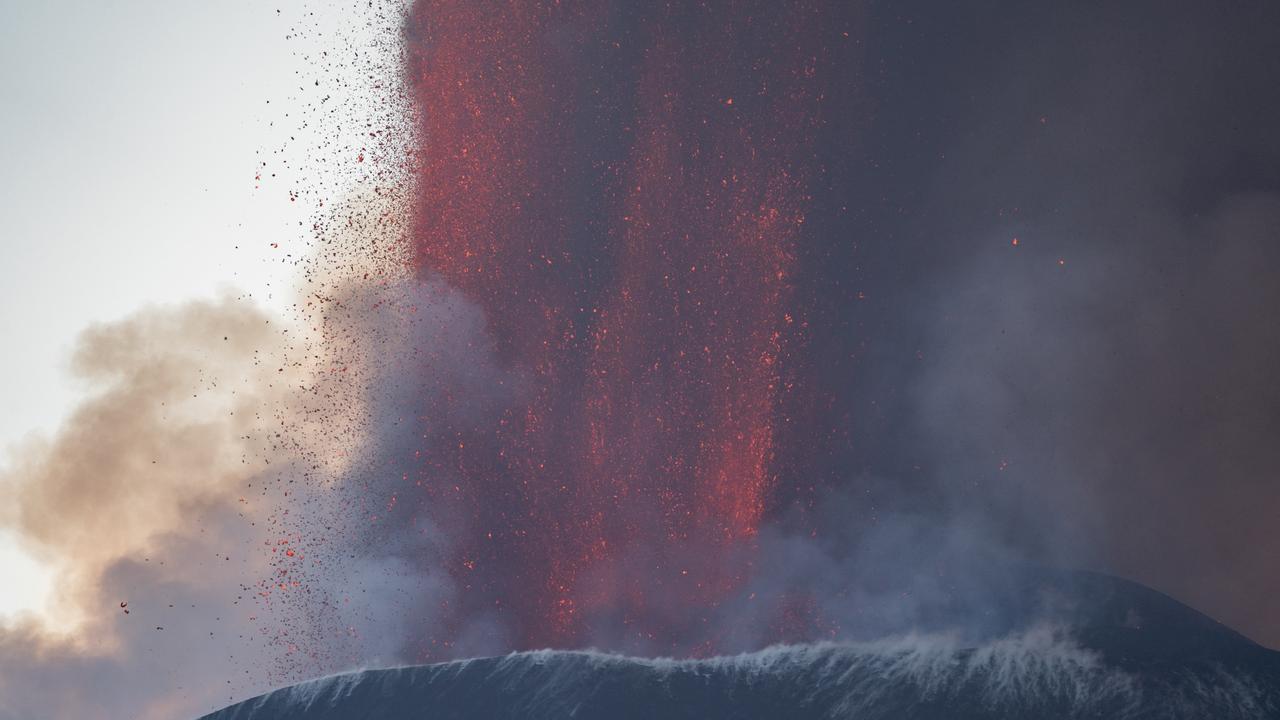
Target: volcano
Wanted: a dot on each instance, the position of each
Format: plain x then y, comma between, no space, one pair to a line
1069,645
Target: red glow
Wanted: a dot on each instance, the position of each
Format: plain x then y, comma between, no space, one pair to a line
647,294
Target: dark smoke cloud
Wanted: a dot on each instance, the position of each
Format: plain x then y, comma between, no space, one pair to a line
1101,393
1131,397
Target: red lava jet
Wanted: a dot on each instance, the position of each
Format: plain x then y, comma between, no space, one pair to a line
624,193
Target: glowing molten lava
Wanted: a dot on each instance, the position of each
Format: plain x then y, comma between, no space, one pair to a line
623,192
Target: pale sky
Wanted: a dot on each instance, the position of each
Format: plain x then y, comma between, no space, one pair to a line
131,132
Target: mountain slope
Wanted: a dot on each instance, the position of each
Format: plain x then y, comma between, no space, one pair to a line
1076,646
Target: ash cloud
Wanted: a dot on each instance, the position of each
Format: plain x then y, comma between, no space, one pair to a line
418,363
234,489
138,502
1101,393
231,481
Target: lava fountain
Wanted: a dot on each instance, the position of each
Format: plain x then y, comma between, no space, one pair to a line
624,191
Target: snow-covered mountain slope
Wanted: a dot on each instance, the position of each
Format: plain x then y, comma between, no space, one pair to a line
1078,646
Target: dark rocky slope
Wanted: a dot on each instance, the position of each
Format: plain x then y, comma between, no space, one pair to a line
1070,645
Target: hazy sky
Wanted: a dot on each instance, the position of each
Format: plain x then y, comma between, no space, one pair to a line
132,132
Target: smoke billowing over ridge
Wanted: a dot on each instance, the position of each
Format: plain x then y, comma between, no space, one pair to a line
684,347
